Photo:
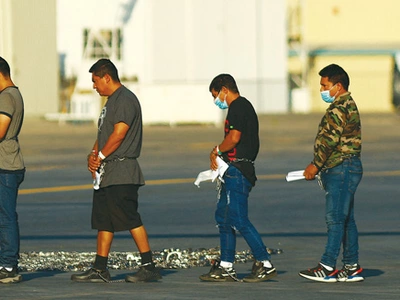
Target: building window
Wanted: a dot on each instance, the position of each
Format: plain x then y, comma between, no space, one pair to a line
100,43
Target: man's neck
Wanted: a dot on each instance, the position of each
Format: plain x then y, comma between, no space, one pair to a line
5,84
115,87
232,98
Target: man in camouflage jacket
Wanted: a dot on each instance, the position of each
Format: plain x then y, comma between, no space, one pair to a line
337,150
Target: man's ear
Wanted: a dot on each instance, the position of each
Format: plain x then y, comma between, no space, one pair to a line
107,78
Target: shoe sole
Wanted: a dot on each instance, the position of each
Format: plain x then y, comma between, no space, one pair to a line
210,279
319,279
351,279
89,280
268,277
15,279
135,280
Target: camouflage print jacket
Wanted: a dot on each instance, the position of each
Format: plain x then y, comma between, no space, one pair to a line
339,133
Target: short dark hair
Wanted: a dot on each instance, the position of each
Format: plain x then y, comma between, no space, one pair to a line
225,80
105,66
336,74
4,67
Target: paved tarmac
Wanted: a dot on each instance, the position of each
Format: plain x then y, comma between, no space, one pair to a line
55,203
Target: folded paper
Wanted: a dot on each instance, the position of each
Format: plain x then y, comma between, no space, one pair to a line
295,175
212,174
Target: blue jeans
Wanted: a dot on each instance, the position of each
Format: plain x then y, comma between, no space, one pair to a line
232,215
9,229
340,184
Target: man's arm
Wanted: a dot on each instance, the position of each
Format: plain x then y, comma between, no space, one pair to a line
326,141
116,138
4,124
229,142
93,163
114,141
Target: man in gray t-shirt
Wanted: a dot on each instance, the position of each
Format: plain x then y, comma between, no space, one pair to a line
113,161
12,171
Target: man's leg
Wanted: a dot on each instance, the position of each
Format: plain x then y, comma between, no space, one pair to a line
139,234
148,270
340,187
9,229
351,270
227,234
141,239
238,189
350,241
99,272
9,233
223,270
104,241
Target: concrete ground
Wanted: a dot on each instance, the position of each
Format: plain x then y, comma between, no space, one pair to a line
55,203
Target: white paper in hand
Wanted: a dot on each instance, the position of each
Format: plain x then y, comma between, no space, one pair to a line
96,181
212,174
295,175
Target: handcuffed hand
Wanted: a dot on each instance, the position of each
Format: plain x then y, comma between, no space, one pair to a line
94,163
310,172
213,159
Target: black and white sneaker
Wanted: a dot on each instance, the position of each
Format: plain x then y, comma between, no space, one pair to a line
350,273
319,273
260,273
220,274
11,276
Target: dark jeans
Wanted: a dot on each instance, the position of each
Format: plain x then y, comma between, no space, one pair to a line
232,215
9,229
340,184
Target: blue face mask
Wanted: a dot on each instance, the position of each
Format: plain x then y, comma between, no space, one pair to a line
220,104
326,96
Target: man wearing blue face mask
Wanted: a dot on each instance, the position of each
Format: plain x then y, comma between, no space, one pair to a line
337,150
239,149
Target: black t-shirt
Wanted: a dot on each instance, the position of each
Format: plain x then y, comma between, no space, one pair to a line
242,117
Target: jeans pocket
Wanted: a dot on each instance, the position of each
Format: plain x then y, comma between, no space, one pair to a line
355,174
11,180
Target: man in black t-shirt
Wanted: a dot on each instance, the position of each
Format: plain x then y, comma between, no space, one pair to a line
239,149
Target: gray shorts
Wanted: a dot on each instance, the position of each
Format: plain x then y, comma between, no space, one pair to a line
115,208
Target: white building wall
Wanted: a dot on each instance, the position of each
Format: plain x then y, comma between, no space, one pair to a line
176,47
5,30
28,43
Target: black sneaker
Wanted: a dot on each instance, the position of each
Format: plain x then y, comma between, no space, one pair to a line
92,275
10,276
260,273
350,273
220,274
319,273
146,273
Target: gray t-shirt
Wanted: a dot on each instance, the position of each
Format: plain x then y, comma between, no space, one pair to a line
122,166
12,105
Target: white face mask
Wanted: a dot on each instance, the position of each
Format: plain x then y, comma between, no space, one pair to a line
219,103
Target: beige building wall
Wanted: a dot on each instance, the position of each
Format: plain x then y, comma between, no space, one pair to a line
370,81
28,38
364,35
344,22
